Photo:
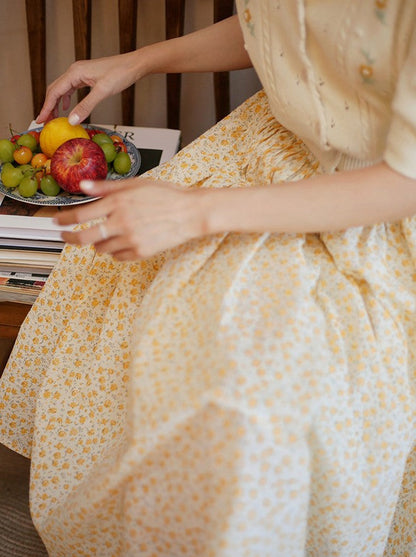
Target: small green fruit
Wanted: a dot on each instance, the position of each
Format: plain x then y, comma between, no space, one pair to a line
102,138
27,140
122,163
109,151
28,186
49,186
6,150
11,176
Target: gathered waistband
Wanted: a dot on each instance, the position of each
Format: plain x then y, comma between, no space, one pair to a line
346,162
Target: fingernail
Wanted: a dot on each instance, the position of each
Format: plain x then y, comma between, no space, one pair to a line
73,119
86,185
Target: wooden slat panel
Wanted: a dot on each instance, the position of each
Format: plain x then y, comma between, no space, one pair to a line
127,24
12,316
12,313
36,29
222,10
6,346
175,18
81,13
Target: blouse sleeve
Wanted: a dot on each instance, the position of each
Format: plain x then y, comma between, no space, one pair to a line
400,152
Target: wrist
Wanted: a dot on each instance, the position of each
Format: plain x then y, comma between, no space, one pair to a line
226,210
140,63
156,58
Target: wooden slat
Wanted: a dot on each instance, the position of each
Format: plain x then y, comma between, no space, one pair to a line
36,29
175,18
12,316
12,313
127,23
6,346
222,10
81,13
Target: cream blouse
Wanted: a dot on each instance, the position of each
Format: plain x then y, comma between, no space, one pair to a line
341,74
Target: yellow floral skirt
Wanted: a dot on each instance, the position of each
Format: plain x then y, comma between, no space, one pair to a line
241,395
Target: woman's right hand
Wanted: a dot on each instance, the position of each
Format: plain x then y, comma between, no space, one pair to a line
216,48
105,76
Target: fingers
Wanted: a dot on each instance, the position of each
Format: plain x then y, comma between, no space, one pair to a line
105,77
137,218
66,100
84,213
59,89
95,235
100,208
63,88
106,238
78,114
47,113
87,105
106,187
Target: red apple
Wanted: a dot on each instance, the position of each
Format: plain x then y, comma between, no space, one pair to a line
75,160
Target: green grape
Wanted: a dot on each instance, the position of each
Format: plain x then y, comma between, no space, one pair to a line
102,138
11,176
6,150
28,186
122,163
27,140
109,151
27,169
49,186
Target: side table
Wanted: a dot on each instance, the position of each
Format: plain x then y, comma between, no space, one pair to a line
12,316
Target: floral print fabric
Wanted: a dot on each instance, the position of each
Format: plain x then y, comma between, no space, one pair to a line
243,394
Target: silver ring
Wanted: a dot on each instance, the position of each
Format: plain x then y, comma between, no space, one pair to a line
103,231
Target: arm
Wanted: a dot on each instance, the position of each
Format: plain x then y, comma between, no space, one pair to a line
219,47
325,203
149,216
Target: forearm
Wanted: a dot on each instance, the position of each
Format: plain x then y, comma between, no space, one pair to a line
219,47
320,204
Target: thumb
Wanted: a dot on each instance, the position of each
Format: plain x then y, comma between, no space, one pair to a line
102,188
84,108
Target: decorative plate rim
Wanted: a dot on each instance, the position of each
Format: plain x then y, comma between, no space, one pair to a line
65,198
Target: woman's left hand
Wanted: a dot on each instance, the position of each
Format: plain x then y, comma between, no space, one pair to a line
141,217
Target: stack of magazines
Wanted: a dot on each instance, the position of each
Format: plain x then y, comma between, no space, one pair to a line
30,242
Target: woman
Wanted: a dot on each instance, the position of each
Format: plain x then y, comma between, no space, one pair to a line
226,366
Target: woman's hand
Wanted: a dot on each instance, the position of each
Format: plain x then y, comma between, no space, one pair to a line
105,77
142,217
218,47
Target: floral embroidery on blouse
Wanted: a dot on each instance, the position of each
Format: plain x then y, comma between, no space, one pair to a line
380,9
366,69
247,17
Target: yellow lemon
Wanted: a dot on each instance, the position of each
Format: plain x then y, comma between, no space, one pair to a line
57,131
